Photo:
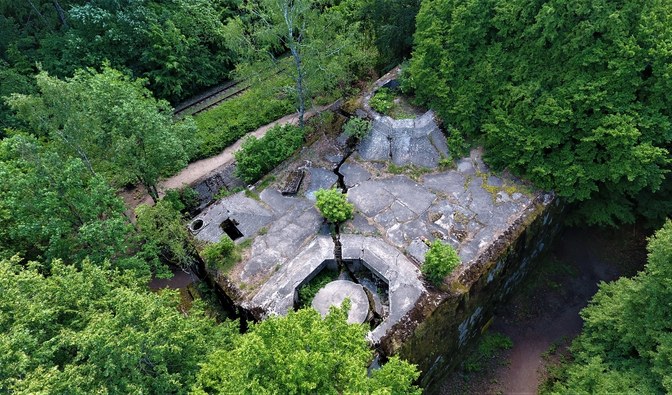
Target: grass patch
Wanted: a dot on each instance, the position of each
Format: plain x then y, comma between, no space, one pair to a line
227,192
413,171
223,125
490,345
308,291
222,255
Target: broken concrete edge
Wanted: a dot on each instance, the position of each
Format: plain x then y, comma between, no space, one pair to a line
366,107
461,280
405,282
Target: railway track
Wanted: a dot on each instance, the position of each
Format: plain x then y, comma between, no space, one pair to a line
212,98
228,90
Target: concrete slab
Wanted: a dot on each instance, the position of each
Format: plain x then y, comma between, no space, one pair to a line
354,174
334,293
319,179
249,215
405,141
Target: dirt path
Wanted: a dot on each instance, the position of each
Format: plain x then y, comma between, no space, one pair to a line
543,314
200,168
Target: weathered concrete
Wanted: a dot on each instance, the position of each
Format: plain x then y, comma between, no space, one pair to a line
320,179
406,141
334,293
277,295
248,213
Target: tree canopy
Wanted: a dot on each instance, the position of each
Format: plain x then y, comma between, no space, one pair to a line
95,330
178,45
52,207
111,122
323,44
626,343
303,353
573,95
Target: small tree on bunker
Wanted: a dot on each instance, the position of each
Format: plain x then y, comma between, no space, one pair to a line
440,261
335,209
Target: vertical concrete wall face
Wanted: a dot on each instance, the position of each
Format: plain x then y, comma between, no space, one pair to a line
438,333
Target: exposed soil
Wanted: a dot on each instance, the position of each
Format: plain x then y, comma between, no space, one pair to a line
180,280
542,316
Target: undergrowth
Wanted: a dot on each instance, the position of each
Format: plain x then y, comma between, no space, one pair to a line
309,290
489,346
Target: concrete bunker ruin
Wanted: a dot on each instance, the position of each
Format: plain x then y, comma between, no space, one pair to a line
497,224
373,285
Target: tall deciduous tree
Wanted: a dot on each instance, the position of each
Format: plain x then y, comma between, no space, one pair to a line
626,343
573,95
112,123
97,331
299,354
325,49
52,207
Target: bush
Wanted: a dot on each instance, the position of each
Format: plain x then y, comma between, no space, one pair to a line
333,205
357,127
382,101
440,261
259,156
222,255
183,200
225,124
308,291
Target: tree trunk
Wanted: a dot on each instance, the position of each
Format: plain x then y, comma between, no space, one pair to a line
300,90
61,13
151,190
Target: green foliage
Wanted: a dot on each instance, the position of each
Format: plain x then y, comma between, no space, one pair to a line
259,156
12,82
382,101
184,200
97,331
52,207
222,255
163,227
489,346
440,260
392,24
333,205
357,128
568,94
178,45
457,145
626,342
111,122
326,51
228,122
302,353
308,291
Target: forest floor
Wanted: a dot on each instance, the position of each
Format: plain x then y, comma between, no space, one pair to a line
196,170
542,316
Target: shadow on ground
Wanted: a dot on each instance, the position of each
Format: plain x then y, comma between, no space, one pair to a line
542,316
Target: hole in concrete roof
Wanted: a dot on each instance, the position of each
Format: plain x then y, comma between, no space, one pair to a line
375,287
196,225
229,227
